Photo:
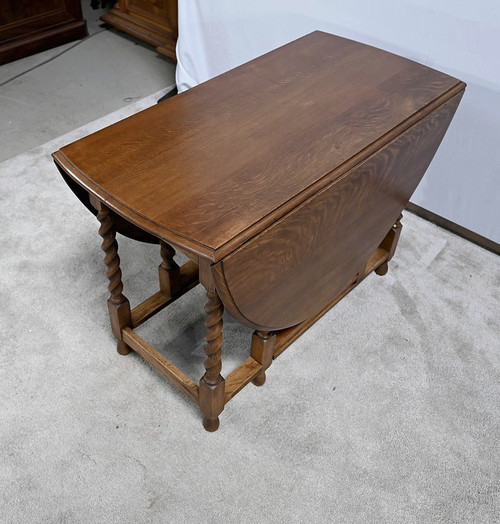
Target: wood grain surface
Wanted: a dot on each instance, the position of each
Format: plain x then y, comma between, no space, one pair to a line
293,269
212,167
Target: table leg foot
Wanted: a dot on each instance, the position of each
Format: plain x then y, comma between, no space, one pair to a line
211,424
382,269
122,348
260,379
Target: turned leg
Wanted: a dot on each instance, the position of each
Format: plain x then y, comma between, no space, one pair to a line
118,304
389,244
262,351
211,393
168,271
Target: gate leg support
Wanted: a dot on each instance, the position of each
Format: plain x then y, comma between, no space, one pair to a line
168,271
389,244
263,343
211,392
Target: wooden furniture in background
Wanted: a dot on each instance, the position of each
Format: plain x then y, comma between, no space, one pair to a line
283,181
31,26
153,21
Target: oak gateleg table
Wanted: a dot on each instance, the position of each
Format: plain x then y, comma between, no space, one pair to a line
282,180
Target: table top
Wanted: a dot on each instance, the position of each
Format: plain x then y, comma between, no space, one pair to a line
211,167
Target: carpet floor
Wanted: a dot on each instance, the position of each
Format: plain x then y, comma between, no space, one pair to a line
385,411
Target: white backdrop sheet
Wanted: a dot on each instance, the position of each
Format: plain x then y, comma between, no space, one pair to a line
458,37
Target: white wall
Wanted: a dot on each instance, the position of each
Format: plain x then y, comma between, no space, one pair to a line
459,37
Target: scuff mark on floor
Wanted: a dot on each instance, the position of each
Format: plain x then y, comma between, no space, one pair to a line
434,251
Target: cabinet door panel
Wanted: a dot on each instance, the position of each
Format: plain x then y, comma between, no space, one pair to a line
29,26
163,12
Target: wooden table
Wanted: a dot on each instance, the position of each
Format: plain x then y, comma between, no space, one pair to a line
282,180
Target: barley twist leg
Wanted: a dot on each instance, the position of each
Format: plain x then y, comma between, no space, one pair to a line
118,304
212,382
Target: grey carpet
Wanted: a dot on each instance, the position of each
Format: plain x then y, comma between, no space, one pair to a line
386,411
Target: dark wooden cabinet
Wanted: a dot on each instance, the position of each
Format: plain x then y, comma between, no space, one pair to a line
153,21
30,26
